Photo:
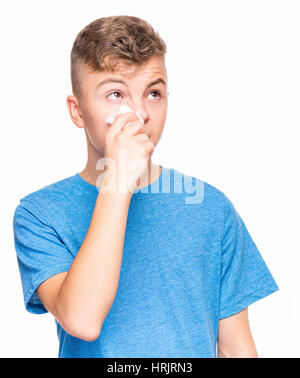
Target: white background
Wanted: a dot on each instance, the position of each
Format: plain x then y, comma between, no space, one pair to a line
233,121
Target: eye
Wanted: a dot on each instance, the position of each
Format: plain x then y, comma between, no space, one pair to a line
113,93
156,92
117,92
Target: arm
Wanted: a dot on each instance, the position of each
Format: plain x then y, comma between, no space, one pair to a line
235,338
81,298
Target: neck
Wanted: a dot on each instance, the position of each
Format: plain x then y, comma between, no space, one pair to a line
90,173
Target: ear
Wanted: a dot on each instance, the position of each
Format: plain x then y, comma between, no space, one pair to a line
74,111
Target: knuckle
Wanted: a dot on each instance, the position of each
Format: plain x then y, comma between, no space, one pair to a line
148,148
151,145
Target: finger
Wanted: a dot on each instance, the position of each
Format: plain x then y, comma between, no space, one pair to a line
121,120
141,137
134,128
149,146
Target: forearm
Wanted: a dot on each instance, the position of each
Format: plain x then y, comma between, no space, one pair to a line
235,338
90,286
248,350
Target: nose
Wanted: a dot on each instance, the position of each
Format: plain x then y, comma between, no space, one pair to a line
125,108
140,110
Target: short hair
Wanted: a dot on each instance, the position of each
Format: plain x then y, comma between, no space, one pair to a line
108,41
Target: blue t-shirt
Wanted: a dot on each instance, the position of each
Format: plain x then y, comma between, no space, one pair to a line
188,261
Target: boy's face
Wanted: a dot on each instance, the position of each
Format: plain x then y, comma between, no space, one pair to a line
100,100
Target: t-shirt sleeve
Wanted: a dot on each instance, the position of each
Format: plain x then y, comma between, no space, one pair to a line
245,277
40,253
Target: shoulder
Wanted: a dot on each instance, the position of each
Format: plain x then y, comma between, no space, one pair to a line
209,195
48,199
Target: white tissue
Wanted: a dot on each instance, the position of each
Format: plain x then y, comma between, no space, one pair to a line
123,109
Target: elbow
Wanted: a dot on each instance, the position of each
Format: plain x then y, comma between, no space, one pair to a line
82,329
79,325
90,334
86,333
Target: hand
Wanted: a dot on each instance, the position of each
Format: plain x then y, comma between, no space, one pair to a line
127,150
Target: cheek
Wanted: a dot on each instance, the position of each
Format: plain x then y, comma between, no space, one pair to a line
160,118
158,124
94,115
99,111
96,127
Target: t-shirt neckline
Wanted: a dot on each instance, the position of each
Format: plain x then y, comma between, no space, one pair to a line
146,189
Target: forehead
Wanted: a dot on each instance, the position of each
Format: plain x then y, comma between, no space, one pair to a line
153,66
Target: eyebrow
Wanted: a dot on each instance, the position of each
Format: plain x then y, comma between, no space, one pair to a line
113,80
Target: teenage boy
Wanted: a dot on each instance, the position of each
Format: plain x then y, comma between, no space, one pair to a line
149,271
